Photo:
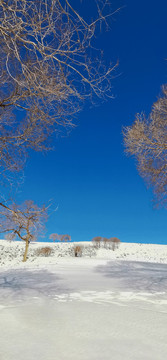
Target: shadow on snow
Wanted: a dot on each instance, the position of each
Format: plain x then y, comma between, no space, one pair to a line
136,276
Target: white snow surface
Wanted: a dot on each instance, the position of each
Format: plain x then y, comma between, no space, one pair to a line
104,305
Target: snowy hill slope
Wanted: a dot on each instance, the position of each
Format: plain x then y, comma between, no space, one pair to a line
102,306
11,252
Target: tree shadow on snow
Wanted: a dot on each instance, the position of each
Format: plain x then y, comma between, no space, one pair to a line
22,284
136,276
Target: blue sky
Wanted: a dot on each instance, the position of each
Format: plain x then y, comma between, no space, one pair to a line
94,186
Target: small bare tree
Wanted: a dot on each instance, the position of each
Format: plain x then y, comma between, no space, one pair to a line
23,222
105,242
97,240
114,243
55,237
146,140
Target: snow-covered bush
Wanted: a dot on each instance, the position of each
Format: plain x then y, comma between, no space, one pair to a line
89,251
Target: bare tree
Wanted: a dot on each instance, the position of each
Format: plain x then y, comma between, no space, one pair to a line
146,140
48,69
106,242
55,237
23,222
97,240
114,243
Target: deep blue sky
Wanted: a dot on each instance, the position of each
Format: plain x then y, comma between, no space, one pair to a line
88,177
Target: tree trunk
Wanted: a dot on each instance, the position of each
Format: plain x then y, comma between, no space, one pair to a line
26,250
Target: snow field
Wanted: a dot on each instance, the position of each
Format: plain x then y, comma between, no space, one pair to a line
90,308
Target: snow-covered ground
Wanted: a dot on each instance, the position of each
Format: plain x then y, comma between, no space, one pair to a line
11,253
104,305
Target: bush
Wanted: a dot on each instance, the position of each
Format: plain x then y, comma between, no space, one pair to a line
77,251
45,251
